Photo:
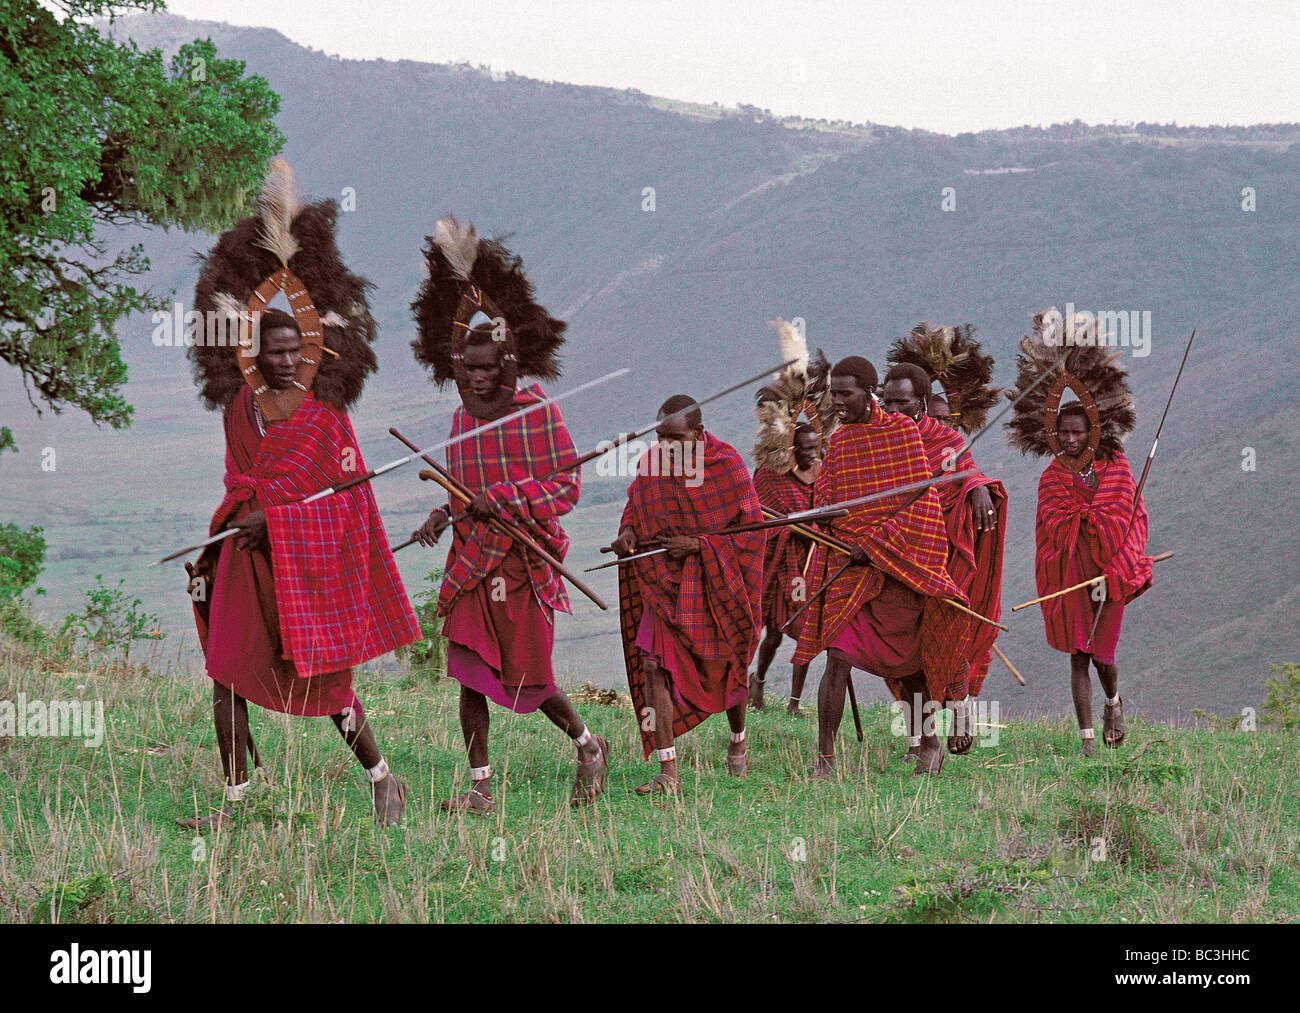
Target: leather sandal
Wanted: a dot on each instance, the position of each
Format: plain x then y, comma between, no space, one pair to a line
1113,724
473,801
660,784
589,782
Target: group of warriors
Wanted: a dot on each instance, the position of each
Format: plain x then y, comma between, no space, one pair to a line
711,569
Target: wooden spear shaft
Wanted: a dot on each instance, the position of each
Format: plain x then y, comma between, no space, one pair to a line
1007,661
454,487
1082,584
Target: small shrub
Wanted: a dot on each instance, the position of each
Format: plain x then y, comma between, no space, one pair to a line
108,622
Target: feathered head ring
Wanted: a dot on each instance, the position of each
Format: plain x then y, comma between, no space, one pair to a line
476,288
288,247
1089,370
800,389
953,358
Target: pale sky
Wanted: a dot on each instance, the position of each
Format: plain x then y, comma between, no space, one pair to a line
922,63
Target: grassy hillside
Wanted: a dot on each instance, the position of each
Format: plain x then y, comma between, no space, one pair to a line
1177,825
755,217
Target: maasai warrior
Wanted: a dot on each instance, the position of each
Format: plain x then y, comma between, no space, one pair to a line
689,616
975,509
937,408
307,590
795,418
1088,523
786,555
884,614
498,598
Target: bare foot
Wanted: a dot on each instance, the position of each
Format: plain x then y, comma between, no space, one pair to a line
389,797
1089,749
212,821
660,784
929,758
737,761
476,800
824,770
593,764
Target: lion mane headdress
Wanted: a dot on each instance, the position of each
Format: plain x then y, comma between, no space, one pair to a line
952,358
800,389
475,284
1089,370
288,246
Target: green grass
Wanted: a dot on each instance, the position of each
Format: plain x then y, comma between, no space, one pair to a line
1178,825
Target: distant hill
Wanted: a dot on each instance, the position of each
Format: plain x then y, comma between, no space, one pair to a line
840,224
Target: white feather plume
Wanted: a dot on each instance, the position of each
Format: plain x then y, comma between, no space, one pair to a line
459,244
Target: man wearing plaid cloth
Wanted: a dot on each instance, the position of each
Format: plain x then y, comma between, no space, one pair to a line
974,515
884,613
786,555
498,599
306,590
690,616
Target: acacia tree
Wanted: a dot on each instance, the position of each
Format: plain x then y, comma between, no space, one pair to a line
100,134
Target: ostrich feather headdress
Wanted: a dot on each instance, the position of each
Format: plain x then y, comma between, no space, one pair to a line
953,358
476,284
1090,370
800,389
288,246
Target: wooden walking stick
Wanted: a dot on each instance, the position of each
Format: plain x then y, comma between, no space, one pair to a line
518,535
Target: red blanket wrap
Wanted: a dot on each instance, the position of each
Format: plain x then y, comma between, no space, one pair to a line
974,564
328,595
1080,533
503,461
499,598
786,551
708,603
910,546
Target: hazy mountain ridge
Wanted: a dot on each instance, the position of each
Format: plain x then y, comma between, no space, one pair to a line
753,218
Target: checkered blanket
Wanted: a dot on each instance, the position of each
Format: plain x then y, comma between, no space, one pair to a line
910,545
505,462
713,598
975,564
786,552
339,595
1074,519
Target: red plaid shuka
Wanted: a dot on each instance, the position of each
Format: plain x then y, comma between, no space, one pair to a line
975,565
503,461
1082,532
340,598
911,546
786,551
711,600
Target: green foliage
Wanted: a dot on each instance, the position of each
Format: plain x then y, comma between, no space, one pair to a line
1282,708
110,136
109,622
80,900
430,654
958,892
22,557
